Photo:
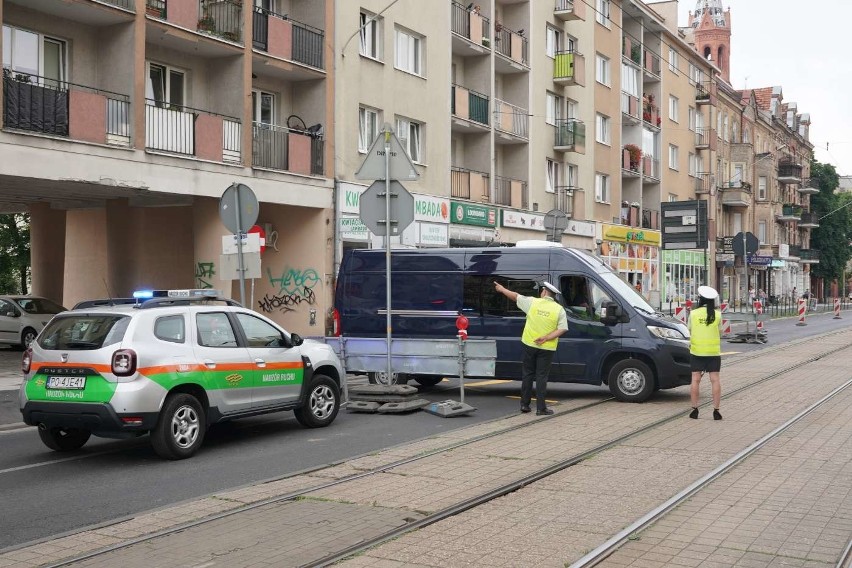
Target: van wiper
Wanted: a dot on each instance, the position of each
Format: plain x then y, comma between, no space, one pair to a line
641,309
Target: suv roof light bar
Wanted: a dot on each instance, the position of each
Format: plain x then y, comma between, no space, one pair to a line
159,302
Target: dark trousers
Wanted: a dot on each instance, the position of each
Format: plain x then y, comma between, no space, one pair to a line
536,366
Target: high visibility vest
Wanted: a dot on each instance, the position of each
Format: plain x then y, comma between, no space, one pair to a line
542,318
704,339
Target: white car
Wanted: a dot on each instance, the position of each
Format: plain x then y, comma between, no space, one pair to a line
170,366
23,317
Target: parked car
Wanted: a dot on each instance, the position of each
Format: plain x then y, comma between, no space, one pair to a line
170,366
23,317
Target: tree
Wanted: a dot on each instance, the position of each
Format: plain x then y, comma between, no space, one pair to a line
14,253
835,228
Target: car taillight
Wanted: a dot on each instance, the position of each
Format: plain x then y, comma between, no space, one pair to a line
335,317
124,362
27,360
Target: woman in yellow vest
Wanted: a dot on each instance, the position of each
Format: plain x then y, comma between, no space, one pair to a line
705,346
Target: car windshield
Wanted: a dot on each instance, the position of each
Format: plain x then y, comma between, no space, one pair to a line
83,332
39,306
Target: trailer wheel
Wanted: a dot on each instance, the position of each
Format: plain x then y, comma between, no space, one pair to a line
631,380
428,380
381,378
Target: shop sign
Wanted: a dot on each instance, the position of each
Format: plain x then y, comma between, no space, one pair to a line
725,257
778,263
580,228
727,245
758,260
631,235
352,229
686,257
433,234
784,251
469,214
349,197
431,209
518,220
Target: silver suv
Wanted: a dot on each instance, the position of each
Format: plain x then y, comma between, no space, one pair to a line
170,363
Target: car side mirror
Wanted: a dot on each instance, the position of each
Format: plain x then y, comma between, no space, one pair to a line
611,313
296,339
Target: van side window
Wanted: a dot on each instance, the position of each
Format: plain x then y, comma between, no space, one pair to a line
170,328
583,298
496,304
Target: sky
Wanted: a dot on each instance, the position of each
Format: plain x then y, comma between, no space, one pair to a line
804,48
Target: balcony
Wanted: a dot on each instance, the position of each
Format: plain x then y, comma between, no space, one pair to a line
790,213
705,138
630,108
809,187
736,194
471,31
469,109
280,148
512,122
567,10
650,169
651,65
631,161
789,172
565,199
631,50
651,115
650,219
570,136
511,193
809,220
156,8
631,215
45,106
569,68
286,38
809,256
705,93
192,132
222,18
469,184
513,47
704,182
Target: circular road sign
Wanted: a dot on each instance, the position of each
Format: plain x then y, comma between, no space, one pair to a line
240,195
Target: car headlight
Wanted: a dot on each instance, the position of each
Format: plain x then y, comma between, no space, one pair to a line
668,333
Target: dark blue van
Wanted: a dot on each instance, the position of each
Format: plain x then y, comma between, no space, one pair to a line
615,337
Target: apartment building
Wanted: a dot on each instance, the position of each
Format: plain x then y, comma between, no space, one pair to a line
124,121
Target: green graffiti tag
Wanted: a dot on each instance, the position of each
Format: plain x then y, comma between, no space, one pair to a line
204,271
293,281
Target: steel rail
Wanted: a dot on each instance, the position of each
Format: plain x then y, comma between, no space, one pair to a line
846,558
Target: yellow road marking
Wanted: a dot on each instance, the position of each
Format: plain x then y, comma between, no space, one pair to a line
484,383
730,352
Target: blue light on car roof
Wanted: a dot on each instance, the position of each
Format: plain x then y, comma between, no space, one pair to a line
143,294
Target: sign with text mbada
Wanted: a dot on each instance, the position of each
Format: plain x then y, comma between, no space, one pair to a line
470,214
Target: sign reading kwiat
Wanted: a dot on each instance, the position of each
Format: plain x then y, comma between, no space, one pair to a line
468,214
631,235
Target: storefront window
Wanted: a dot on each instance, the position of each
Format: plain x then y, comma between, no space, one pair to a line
683,273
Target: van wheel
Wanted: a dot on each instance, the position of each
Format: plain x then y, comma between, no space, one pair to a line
381,378
321,404
631,380
64,439
180,428
428,380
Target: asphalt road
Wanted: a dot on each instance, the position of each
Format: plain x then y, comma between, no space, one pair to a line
50,493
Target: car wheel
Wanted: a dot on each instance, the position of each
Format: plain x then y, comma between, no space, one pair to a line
381,378
64,439
180,428
631,380
321,404
428,380
27,337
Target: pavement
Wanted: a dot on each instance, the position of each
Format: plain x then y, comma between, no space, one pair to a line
788,504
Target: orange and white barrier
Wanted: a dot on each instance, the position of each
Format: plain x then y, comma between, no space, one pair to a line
680,314
802,308
726,324
758,308
837,308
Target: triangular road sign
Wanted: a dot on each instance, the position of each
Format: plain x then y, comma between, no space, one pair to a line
373,166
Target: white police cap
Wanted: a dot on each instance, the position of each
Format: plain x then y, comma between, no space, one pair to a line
551,287
707,292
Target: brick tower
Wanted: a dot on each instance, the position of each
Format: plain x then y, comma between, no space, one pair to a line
711,28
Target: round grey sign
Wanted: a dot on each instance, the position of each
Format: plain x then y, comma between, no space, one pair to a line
238,198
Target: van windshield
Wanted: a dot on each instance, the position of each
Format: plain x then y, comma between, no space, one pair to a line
83,332
626,291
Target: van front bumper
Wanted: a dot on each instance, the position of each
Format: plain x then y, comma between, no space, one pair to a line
673,365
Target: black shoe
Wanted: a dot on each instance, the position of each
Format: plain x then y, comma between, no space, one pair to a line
694,413
545,412
716,414
525,409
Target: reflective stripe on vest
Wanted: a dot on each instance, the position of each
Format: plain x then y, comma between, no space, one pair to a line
541,320
704,339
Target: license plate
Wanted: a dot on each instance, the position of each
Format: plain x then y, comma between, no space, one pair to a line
76,383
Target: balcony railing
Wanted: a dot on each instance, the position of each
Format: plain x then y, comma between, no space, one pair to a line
702,137
469,184
652,63
156,8
222,18
126,4
511,44
651,167
809,256
704,182
60,108
471,25
280,148
271,31
809,187
789,172
566,10
565,199
790,212
632,50
630,105
569,67
650,219
810,220
511,119
651,114
475,108
511,192
193,132
703,92
570,135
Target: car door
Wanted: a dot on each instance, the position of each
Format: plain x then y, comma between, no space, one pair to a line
10,322
225,362
278,367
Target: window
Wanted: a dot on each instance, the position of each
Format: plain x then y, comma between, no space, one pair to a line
480,295
371,43
673,60
170,328
695,74
602,131
572,175
690,117
761,232
673,157
583,298
672,197
571,109
368,128
630,82
83,332
601,188
554,41
554,108
165,86
214,330
761,187
602,70
263,107
552,176
409,133
33,54
726,134
602,12
738,178
673,108
258,332
409,52
693,165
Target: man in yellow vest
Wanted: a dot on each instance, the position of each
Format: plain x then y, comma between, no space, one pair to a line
705,347
546,321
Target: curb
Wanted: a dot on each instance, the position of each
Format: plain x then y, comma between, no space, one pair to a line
12,426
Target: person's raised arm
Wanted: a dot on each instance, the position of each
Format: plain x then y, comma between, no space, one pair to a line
513,296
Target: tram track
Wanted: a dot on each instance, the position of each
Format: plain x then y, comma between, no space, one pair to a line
456,508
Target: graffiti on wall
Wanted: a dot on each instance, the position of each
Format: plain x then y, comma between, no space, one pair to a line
295,287
204,273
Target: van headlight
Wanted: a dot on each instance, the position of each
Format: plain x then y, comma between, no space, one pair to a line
668,333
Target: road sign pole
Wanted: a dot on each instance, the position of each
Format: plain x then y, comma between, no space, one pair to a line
388,249
240,265
745,263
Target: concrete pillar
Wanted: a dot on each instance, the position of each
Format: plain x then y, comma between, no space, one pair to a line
47,251
121,232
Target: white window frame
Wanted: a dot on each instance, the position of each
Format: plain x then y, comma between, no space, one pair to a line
554,106
408,52
673,60
692,164
761,232
603,70
603,127
410,134
674,157
602,12
572,109
370,32
552,175
168,71
674,108
738,173
553,42
368,127
691,116
9,33
257,104
572,175
762,188
602,188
